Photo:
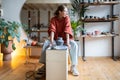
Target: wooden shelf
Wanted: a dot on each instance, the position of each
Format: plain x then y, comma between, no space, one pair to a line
101,3
92,36
38,34
99,20
40,31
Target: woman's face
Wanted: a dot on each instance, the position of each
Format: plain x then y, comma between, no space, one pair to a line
63,13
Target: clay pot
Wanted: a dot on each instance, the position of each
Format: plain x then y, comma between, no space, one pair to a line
7,51
59,41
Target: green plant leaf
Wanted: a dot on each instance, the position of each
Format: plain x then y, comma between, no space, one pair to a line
1,40
17,36
6,43
13,46
78,8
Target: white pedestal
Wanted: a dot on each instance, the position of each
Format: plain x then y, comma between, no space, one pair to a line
56,64
35,51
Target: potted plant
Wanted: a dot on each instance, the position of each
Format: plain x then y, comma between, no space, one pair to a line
76,29
79,10
8,31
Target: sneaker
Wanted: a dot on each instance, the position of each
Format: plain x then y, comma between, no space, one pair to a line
74,71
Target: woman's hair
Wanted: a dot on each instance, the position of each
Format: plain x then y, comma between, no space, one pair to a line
60,8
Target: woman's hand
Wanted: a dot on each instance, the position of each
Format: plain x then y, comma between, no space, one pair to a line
51,39
51,43
68,41
69,46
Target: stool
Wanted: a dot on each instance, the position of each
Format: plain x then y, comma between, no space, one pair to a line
57,64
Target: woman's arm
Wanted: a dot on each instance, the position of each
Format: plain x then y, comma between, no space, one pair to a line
51,37
68,41
68,28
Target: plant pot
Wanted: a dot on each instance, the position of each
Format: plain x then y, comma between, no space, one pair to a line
7,57
7,51
77,36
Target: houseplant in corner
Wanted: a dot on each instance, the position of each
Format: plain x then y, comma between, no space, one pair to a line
8,31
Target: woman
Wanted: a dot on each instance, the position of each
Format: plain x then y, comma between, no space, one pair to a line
60,26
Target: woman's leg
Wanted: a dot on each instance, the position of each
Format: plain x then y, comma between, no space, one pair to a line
74,57
43,52
74,52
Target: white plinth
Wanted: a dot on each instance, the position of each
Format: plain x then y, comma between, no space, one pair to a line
56,65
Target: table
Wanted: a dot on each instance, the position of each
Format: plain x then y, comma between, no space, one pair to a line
28,47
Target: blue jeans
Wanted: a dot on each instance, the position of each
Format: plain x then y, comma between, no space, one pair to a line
73,52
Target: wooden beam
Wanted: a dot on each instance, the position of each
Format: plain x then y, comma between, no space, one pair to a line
49,13
29,6
37,6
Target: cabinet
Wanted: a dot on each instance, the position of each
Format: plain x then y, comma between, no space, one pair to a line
111,18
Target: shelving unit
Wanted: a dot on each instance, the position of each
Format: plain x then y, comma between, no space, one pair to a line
112,34
36,26
38,32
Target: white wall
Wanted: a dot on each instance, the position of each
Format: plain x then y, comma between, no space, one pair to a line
11,11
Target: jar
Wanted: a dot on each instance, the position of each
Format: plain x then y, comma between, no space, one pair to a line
59,41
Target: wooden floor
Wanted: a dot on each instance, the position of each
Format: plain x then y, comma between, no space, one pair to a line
92,69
